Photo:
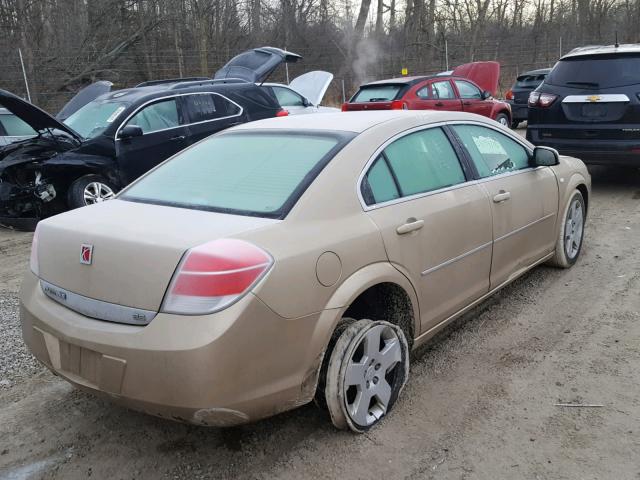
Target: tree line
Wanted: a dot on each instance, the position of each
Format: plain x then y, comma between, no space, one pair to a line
66,44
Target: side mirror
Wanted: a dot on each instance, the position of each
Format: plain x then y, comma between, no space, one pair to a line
545,157
131,131
486,94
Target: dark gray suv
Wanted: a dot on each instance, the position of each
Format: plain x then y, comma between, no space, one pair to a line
589,106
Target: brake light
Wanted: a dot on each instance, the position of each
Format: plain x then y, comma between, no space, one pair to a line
509,95
345,107
282,113
214,275
542,100
399,105
33,259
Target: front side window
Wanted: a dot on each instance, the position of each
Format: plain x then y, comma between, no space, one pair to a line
492,152
443,90
416,163
16,127
259,174
209,106
468,90
157,116
95,117
287,98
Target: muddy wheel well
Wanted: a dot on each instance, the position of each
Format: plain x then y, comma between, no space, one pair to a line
385,301
582,188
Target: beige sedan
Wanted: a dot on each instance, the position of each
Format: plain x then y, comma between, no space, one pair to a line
292,259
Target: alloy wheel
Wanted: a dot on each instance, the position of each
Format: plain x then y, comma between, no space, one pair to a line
573,229
97,192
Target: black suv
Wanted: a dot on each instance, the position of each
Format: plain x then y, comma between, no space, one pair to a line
518,95
104,143
589,106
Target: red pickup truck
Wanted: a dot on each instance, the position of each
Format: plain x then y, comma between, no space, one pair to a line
468,88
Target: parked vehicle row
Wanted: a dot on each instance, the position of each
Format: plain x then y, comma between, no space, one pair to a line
294,258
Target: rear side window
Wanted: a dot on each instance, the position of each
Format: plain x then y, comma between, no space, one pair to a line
15,127
287,98
377,93
492,152
416,163
157,116
260,174
602,71
204,107
529,81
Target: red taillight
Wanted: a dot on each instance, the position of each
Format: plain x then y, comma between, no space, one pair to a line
214,275
509,95
282,113
345,107
33,259
542,100
399,105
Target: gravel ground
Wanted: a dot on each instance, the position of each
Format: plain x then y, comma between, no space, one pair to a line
480,403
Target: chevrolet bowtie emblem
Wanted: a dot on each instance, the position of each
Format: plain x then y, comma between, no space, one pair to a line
594,98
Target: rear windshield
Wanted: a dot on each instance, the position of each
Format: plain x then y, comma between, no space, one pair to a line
532,81
248,173
603,71
377,93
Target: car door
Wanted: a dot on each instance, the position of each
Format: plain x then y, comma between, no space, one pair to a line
208,113
163,134
524,200
471,97
436,225
438,95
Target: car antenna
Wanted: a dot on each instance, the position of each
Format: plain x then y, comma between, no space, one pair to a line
617,45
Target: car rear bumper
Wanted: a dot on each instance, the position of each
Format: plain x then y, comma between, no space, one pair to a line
519,111
228,368
597,150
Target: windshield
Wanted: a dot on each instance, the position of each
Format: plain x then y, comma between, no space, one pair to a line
377,93
250,173
602,71
16,127
95,117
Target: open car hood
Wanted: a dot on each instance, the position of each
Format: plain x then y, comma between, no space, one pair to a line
484,74
36,118
256,65
312,85
84,96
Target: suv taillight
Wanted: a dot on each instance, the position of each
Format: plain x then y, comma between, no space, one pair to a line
282,113
214,275
542,100
399,105
33,259
509,95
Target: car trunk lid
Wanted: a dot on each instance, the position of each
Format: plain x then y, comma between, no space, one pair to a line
595,108
134,252
256,65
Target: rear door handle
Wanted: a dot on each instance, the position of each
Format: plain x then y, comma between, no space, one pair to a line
502,197
179,137
411,226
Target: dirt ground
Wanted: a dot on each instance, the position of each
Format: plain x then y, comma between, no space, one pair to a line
480,403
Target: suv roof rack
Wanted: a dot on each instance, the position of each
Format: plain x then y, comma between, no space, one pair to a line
151,83
208,81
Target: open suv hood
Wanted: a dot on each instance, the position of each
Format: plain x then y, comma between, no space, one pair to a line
312,85
256,65
84,96
36,118
484,74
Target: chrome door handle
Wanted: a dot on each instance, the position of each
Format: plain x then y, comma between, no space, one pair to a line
179,137
502,197
411,226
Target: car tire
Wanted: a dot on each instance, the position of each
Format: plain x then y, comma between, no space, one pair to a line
571,235
89,189
367,369
503,119
514,124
